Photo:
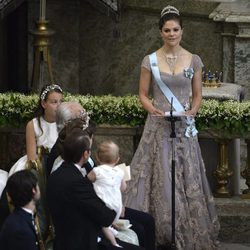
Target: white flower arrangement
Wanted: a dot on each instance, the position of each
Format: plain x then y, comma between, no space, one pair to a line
227,116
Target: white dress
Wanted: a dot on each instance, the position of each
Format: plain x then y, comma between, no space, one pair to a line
47,138
107,186
3,180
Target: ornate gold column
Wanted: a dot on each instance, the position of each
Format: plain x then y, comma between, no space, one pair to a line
41,54
246,173
41,44
223,173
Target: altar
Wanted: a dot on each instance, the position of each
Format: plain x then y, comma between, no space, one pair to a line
217,150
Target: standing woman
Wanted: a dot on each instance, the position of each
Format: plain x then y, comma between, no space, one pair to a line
172,66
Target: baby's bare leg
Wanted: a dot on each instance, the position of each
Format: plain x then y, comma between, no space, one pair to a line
110,236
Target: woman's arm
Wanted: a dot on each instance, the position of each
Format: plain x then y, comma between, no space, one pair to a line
196,93
31,141
144,86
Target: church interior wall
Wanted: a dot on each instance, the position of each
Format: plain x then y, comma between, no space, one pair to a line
92,53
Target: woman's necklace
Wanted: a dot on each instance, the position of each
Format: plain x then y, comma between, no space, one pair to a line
171,61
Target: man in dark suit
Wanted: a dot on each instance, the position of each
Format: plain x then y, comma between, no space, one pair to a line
142,223
77,212
19,231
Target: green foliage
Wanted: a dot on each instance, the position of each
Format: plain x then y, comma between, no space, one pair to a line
230,117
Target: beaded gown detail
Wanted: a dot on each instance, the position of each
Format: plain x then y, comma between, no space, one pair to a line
196,220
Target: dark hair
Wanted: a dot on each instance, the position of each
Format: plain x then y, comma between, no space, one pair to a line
168,17
19,187
91,129
76,123
75,144
46,90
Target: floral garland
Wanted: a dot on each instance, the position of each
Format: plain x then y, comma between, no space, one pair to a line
229,116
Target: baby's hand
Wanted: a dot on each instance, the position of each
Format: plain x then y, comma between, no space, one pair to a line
91,176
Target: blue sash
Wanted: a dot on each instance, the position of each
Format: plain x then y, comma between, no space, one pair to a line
164,88
191,129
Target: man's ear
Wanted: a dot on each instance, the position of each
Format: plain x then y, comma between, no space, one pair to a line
86,155
34,190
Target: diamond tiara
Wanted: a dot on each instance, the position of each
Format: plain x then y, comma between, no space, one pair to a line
83,116
48,89
169,9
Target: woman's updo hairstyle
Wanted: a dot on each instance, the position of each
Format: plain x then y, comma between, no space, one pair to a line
169,13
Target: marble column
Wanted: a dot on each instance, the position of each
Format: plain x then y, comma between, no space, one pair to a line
242,57
235,18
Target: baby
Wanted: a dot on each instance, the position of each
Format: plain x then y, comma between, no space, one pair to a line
108,180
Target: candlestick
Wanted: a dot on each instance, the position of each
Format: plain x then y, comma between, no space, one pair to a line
42,9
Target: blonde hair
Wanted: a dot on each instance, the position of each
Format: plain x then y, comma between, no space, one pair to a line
108,152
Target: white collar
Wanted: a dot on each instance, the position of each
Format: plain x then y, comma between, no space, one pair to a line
28,210
82,170
78,166
108,167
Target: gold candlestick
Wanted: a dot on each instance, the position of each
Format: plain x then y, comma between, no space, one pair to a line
223,173
41,54
41,44
246,173
42,10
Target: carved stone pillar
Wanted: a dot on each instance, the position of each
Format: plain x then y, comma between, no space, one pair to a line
242,56
235,17
246,172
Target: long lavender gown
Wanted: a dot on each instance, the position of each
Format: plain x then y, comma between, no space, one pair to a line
149,190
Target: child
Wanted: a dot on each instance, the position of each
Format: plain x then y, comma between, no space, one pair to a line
18,231
41,130
108,181
41,133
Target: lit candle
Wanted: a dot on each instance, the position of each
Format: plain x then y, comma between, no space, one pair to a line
42,9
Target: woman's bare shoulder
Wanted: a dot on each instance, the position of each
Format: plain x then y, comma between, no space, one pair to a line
186,53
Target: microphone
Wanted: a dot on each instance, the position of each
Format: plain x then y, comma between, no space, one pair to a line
171,107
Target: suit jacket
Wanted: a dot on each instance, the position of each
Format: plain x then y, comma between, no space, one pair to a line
4,208
18,232
54,153
77,212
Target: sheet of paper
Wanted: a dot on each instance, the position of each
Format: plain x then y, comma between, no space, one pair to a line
175,113
126,169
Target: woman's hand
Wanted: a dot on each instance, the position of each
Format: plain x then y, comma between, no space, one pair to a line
156,111
190,113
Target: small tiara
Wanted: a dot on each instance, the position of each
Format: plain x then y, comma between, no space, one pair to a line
48,89
169,9
83,116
